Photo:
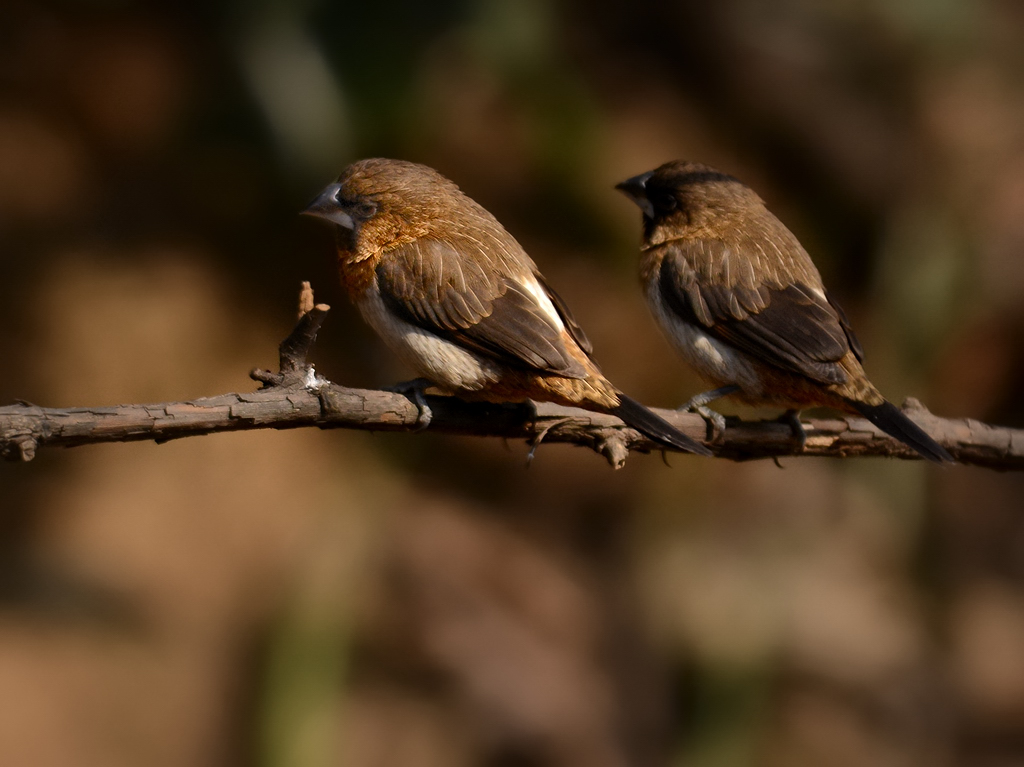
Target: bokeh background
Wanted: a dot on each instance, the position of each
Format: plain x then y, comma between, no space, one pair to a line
338,598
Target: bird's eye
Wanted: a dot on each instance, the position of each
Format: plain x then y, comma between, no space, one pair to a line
364,209
663,201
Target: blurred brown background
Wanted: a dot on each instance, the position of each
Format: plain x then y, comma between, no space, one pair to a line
308,598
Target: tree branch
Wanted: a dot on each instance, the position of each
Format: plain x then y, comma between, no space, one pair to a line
295,397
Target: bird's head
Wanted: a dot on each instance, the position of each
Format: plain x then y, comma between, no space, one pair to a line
378,203
682,197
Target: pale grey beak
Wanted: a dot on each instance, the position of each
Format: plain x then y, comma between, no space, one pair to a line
636,189
327,207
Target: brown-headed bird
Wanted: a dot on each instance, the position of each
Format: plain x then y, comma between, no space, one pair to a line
457,298
739,297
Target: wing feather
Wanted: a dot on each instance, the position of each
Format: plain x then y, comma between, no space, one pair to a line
467,293
787,325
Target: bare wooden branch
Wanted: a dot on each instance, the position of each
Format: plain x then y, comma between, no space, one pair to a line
24,428
295,397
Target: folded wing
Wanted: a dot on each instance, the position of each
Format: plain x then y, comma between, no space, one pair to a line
482,297
786,323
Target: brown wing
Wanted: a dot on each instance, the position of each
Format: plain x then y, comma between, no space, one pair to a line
851,337
479,298
786,324
567,319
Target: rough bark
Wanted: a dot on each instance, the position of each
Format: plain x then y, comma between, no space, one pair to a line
295,397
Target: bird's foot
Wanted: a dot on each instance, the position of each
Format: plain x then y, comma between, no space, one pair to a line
414,390
698,404
792,419
715,421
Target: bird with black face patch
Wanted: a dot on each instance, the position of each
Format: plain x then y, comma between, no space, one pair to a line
741,300
453,294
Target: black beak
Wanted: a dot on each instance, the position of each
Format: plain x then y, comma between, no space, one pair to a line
636,189
327,207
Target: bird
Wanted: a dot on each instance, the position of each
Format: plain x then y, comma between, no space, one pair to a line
738,296
456,297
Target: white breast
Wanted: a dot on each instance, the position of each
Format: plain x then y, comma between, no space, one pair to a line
714,361
444,363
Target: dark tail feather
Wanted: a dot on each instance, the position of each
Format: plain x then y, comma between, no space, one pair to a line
895,423
657,428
